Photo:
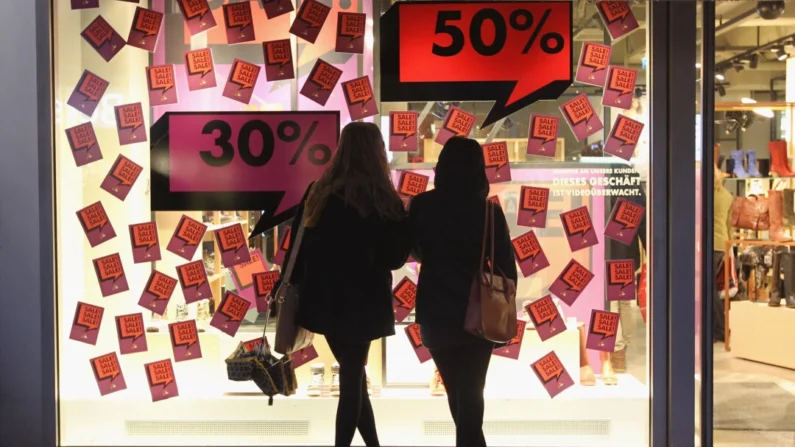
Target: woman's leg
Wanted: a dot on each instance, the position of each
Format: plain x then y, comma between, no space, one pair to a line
448,363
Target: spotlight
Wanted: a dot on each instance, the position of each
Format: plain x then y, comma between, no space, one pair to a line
738,67
770,9
754,62
720,76
781,54
721,90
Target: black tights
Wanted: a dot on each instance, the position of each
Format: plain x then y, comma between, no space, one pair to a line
353,409
463,370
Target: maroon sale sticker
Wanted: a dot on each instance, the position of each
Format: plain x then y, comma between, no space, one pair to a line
103,38
284,245
594,60
624,221
263,288
495,199
529,254
278,60
276,8
243,275
617,17
350,32
415,338
107,373
310,19
130,124
498,170
200,69
242,80
620,280
404,298
303,356
197,15
85,4
403,131
359,98
85,326
96,224
84,144
231,242
602,331
321,81
193,281
145,242
552,374
230,313
543,140
162,383
110,274
239,22
122,177
457,123
412,184
185,340
187,237
545,317
578,227
533,207
158,292
145,29
624,137
131,333
162,85
620,88
581,117
511,350
571,282
87,93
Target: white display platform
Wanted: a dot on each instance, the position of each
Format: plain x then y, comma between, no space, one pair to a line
757,330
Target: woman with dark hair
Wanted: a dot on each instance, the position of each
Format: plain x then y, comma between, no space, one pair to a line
447,225
353,220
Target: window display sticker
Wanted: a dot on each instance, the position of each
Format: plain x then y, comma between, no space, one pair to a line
162,85
545,317
457,123
404,298
231,242
145,242
617,17
243,275
498,169
403,131
415,338
193,281
276,8
200,69
412,184
529,254
511,350
130,123
496,200
321,81
96,224
121,177
581,117
571,282
624,137
85,4
533,207
145,29
543,140
624,221
359,98
83,143
263,288
620,88
242,80
602,331
284,245
110,274
620,280
278,60
187,237
87,93
310,19
162,383
303,356
230,313
253,345
131,333
157,292
552,374
579,228
350,32
239,22
185,340
197,15
85,326
107,373
594,60
103,38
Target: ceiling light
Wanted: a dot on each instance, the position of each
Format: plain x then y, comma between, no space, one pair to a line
747,101
781,54
738,67
765,112
754,62
698,65
719,76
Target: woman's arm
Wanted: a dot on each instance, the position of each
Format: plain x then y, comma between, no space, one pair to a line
503,249
394,243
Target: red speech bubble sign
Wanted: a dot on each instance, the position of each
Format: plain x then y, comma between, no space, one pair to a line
406,293
160,285
190,231
234,306
604,323
231,238
160,373
199,62
549,367
577,221
412,184
278,52
629,214
495,154
325,75
526,246
496,200
160,77
126,171
576,276
184,333
109,267
520,326
244,74
147,21
358,91
253,345
413,331
144,235
314,13
596,57
264,282
578,110
459,122
98,32
93,216
622,80
545,128
92,86
89,316
351,24
192,274
613,11
621,272
244,272
106,366
82,136
131,116
130,326
192,9
403,124
542,311
627,130
238,15
535,199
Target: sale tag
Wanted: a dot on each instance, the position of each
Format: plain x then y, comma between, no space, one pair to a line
85,326
495,199
284,245
529,254
239,22
187,237
276,8
359,98
185,340
498,169
571,282
110,274
197,15
107,373
514,346
158,292
620,280
145,29
624,137
543,140
162,383
602,331
310,19
87,93
130,123
350,32
121,177
83,142
617,17
533,207
552,374
594,60
230,313
457,123
85,4
96,224
624,221
278,60
415,338
242,80
545,317
404,298
620,88
255,344
200,69
303,356
131,333
581,117
412,184
578,228
193,281
321,81
263,288
243,275
103,38
231,242
162,85
145,242
403,131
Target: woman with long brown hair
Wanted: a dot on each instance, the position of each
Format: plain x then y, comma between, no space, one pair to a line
355,234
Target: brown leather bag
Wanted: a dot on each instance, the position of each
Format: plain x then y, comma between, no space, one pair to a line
750,213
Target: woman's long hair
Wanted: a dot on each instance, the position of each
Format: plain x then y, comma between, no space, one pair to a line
461,169
359,174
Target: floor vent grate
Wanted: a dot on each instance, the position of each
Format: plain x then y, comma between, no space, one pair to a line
217,428
526,428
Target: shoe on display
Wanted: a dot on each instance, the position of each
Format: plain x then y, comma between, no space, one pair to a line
227,216
775,282
789,207
608,373
764,166
182,312
779,160
788,267
318,374
750,156
739,171
587,377
209,263
437,385
335,379
619,361
203,310
775,204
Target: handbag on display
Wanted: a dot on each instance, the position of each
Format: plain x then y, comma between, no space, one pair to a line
750,213
491,311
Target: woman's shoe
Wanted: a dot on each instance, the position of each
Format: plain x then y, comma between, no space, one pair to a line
608,373
587,377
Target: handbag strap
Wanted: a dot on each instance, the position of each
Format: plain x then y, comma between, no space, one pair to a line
484,240
488,227
288,272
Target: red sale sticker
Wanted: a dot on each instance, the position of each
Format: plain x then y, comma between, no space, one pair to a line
145,29
602,331
594,60
303,356
230,313
511,350
103,38
121,177
403,131
359,98
185,340
625,221
239,19
200,69
310,19
498,169
96,224
187,237
197,15
529,254
351,27
193,281
130,124
578,227
412,184
108,374
145,242
162,85
620,88
231,242
84,144
241,82
581,117
85,326
131,333
545,317
110,274
263,288
533,207
617,17
278,60
457,123
571,282
87,93
404,298
624,137
552,374
415,338
321,81
161,379
620,280
158,292
276,8
543,138
243,275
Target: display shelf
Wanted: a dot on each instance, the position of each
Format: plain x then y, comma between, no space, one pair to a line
758,328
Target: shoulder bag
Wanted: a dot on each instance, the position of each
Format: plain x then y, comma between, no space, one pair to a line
750,213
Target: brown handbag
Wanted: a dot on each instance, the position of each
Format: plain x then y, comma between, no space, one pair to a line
750,213
491,311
